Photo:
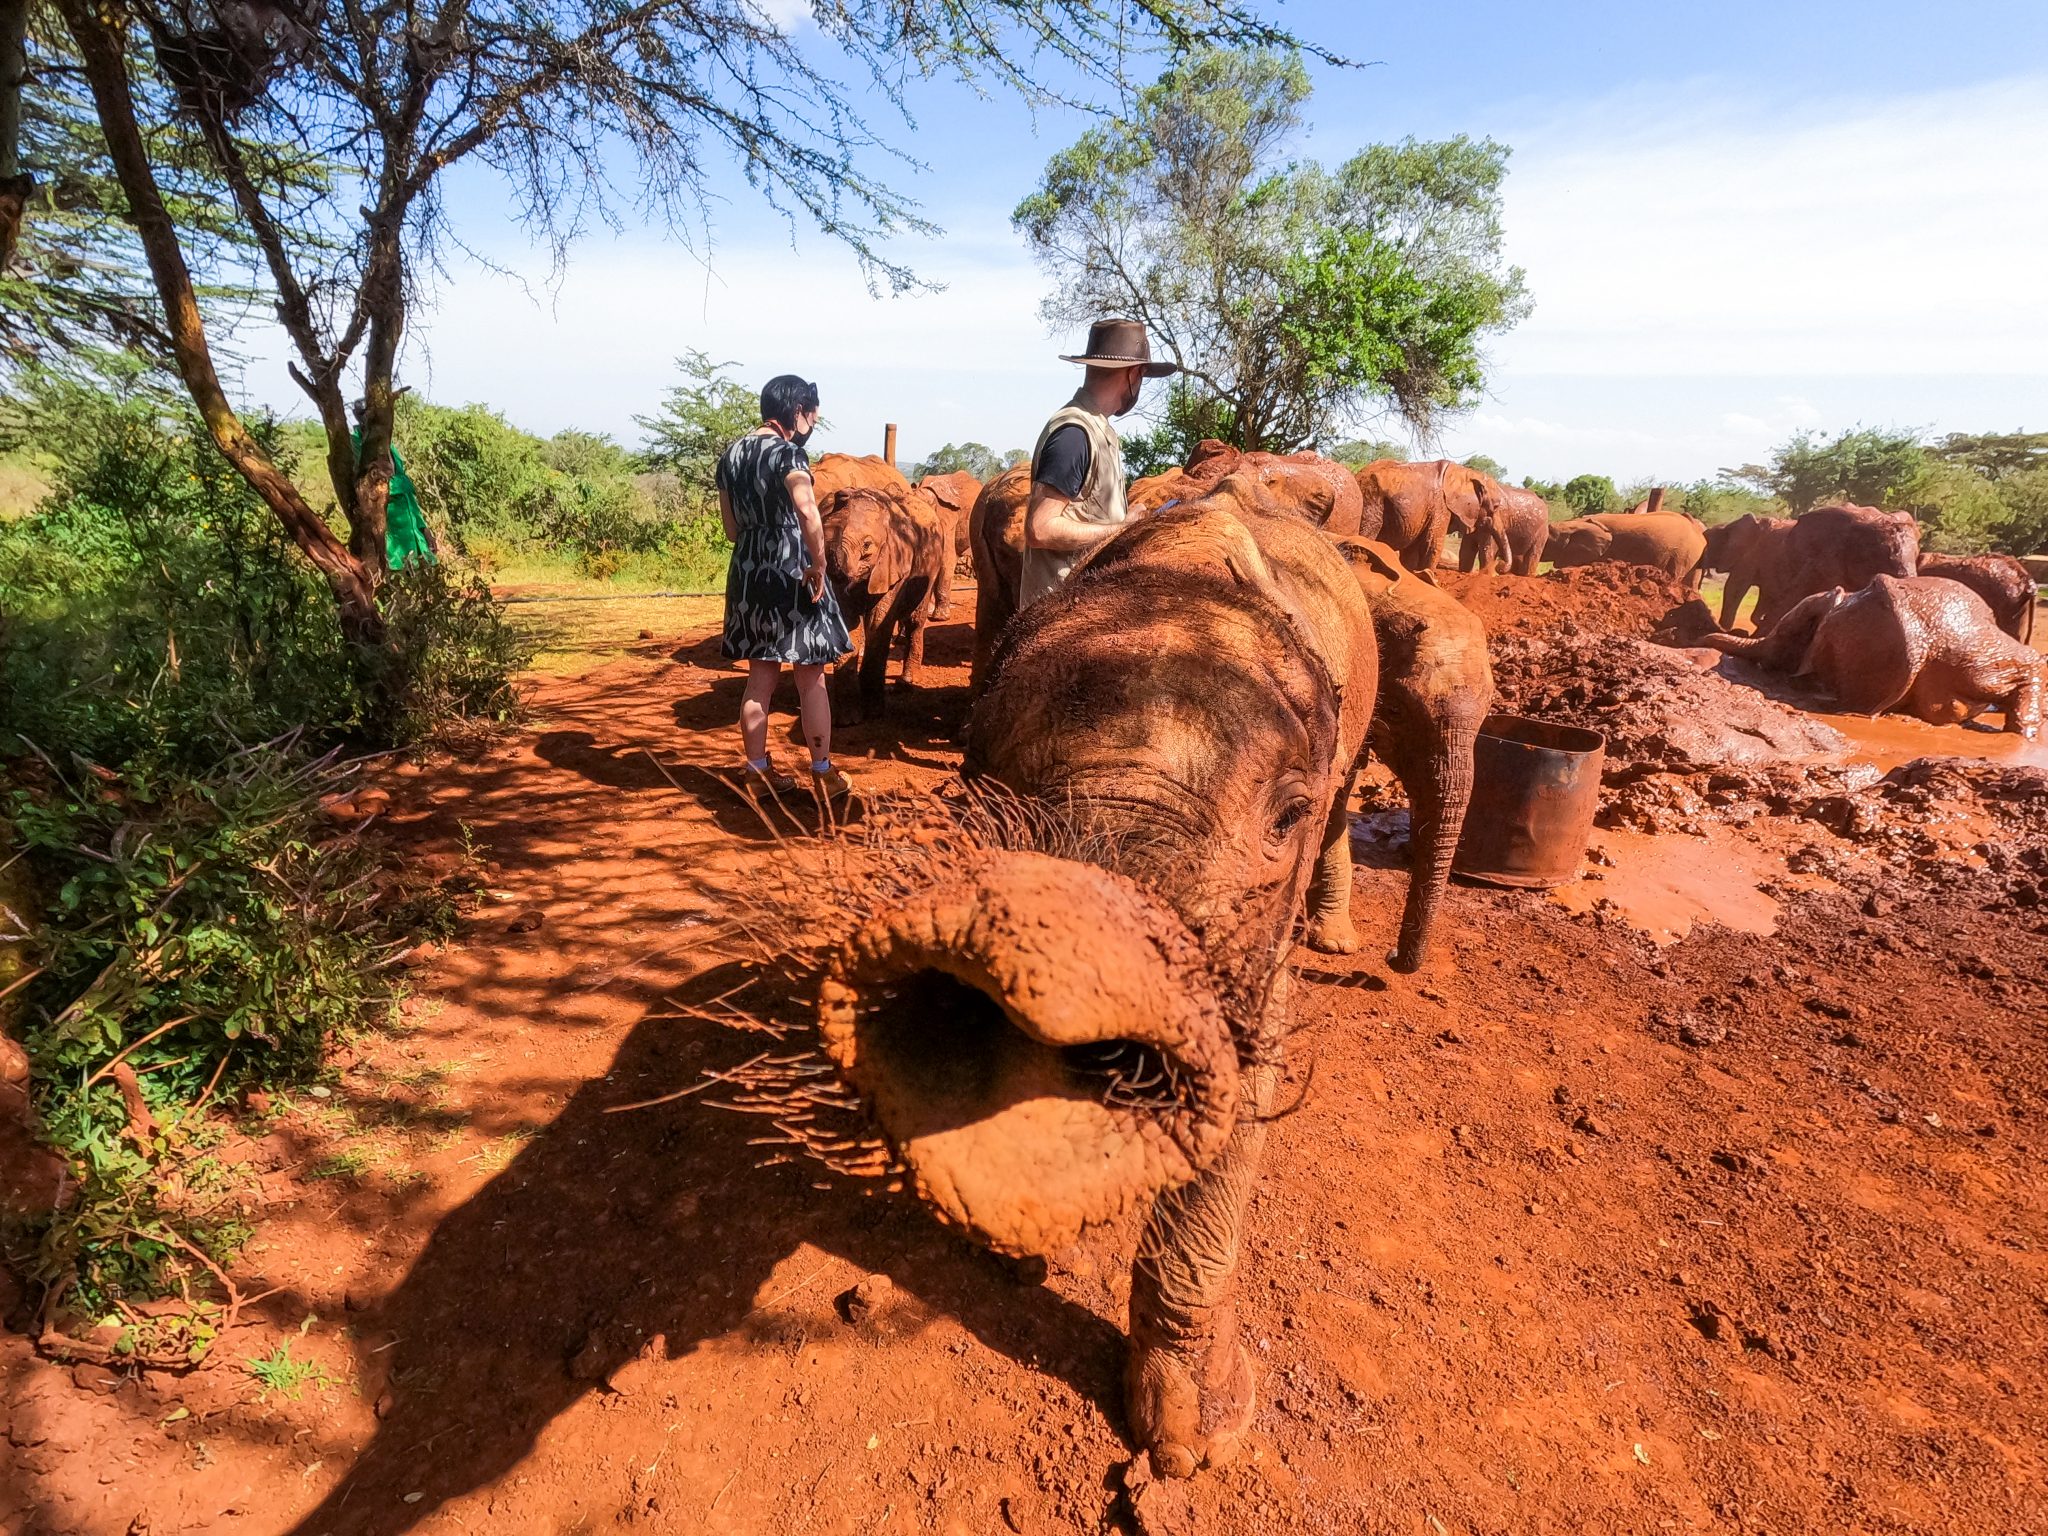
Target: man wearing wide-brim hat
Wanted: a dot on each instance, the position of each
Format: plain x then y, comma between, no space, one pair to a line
1077,469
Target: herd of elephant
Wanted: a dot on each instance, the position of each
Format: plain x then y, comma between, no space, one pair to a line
1091,1016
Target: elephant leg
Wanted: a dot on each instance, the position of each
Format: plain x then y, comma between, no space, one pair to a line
1188,1382
942,589
874,665
1732,595
2022,706
1468,550
1329,889
913,651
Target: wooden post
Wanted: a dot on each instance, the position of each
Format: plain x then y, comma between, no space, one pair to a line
1656,500
889,444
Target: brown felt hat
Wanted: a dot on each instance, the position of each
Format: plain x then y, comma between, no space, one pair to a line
1121,344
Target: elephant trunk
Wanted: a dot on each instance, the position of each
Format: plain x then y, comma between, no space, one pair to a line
1782,647
1439,787
1040,1044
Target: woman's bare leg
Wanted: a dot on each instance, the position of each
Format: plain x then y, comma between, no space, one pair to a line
814,703
761,679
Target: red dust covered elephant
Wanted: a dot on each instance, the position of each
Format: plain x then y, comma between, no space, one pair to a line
1057,1035
1919,645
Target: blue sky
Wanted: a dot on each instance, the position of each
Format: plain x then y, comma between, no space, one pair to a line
1738,220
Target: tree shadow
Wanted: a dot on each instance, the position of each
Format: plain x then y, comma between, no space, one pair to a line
611,1229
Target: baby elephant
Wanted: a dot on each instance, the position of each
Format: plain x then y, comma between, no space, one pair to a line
1436,688
1920,645
883,555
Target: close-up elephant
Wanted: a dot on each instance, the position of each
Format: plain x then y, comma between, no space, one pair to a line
995,533
1513,526
1670,542
1411,507
1999,579
1920,645
1049,1040
883,557
1835,546
1436,688
951,498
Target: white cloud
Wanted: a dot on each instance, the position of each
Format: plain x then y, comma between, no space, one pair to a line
1857,237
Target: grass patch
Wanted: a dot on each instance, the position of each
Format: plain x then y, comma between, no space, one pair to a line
348,1163
285,1374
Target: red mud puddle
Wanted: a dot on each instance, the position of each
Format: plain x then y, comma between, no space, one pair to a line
1663,885
1886,741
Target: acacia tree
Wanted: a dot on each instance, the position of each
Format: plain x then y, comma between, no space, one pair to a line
1293,297
1866,465
548,94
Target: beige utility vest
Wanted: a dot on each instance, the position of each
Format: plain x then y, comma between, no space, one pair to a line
1101,499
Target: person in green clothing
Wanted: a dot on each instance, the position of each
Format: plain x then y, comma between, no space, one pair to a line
407,537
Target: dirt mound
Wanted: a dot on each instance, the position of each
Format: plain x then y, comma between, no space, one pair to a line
1657,706
1619,599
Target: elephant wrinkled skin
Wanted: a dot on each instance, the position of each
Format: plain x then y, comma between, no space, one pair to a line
1185,713
1320,490
1920,645
883,559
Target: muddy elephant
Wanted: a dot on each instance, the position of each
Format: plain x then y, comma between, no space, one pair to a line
1670,542
1067,1030
995,533
951,498
847,472
1752,550
1318,489
883,557
1918,645
1834,546
1410,507
1999,579
1509,536
1436,686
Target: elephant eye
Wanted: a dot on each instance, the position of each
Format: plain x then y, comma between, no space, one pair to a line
1290,816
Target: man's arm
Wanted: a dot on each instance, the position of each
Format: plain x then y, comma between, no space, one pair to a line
1050,524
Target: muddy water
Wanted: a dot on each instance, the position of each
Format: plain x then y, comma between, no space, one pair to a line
1664,885
1885,741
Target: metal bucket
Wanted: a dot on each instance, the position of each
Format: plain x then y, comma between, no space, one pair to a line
1535,786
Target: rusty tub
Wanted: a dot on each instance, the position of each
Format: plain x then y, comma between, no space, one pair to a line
1535,786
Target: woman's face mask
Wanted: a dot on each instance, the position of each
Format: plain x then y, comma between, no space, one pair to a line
808,420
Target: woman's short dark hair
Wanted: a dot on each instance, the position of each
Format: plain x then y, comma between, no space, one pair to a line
785,397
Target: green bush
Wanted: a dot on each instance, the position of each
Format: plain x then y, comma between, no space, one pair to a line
152,608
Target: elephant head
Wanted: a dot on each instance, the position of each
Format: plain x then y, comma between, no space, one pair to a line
1579,541
865,552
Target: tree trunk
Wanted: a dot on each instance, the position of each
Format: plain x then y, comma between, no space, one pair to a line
101,46
15,188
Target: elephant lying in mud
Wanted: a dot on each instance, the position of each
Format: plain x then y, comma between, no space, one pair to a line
1919,645
1045,1041
883,558
1436,688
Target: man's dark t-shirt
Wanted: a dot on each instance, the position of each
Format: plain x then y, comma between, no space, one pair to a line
1063,461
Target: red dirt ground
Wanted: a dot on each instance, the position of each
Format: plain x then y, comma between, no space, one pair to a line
1570,1232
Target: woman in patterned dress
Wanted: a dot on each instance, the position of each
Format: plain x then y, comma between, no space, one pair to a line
777,606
